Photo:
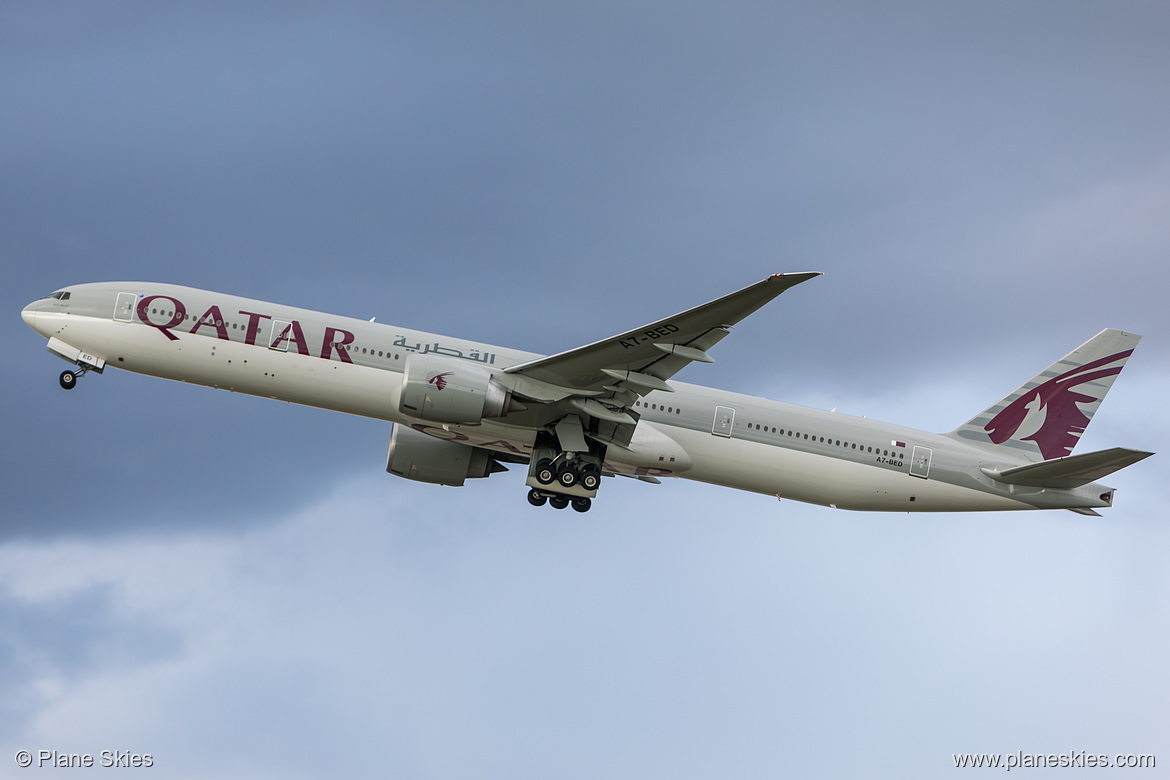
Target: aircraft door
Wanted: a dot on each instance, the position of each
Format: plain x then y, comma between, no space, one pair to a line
920,462
281,331
724,420
124,308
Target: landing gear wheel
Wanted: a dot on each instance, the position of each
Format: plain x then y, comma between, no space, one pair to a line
68,380
567,476
536,498
582,504
559,502
545,474
590,479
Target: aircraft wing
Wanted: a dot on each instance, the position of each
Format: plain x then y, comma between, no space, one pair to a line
603,379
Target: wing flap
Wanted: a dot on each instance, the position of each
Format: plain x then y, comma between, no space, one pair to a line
639,380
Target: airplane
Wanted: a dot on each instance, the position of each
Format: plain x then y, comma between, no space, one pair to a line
462,409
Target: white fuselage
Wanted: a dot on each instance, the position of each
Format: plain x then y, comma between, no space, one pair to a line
700,433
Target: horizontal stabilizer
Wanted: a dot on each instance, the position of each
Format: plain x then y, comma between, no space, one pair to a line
1070,472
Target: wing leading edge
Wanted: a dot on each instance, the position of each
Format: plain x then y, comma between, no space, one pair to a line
644,358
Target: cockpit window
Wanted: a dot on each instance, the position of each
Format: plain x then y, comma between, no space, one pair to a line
60,295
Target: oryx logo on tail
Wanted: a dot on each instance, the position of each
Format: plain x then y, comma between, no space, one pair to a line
1052,409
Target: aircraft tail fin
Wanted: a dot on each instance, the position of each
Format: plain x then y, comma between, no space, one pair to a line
1045,417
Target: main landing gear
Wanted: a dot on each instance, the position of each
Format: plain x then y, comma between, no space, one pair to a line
568,473
559,500
563,479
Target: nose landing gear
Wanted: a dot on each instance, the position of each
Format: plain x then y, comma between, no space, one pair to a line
84,361
69,377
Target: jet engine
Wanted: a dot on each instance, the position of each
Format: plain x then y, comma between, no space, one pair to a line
424,458
446,389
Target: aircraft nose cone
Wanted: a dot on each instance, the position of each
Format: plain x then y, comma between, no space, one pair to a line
29,315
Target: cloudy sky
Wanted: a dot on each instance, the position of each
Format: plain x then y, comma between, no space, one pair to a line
236,587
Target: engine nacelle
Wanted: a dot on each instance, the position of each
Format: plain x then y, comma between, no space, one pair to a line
445,389
424,458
